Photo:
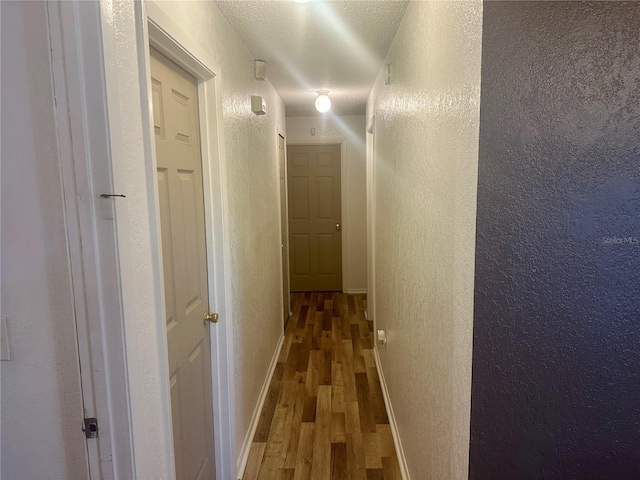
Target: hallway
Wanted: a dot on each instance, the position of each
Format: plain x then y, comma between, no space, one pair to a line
324,415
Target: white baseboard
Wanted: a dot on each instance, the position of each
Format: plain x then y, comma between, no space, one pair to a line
354,291
255,418
404,471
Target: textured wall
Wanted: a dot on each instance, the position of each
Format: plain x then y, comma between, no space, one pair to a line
426,153
41,399
556,357
352,128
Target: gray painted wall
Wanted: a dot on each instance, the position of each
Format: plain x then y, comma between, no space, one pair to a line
556,362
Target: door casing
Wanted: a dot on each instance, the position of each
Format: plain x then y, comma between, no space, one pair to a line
80,94
84,40
371,221
284,228
342,141
163,35
182,227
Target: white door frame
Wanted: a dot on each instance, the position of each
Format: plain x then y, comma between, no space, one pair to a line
91,126
284,222
344,224
165,36
79,89
371,221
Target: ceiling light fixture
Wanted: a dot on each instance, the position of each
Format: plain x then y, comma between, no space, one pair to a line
323,102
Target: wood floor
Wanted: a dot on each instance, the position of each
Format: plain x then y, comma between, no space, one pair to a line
324,416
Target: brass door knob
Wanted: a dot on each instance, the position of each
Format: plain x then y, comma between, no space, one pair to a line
338,227
211,317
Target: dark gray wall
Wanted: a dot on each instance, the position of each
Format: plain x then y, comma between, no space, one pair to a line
556,361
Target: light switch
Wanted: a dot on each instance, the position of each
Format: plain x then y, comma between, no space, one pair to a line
5,353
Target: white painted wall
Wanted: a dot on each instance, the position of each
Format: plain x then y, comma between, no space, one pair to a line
41,399
426,141
253,205
334,129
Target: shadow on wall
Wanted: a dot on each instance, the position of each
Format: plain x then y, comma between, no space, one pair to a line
556,357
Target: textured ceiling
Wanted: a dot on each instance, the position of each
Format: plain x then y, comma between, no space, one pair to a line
321,45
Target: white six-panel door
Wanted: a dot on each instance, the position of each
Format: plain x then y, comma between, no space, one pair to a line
315,238
180,190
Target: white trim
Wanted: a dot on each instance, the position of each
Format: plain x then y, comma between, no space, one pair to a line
284,221
255,418
161,32
169,47
171,40
402,461
355,291
370,145
342,141
372,124
84,152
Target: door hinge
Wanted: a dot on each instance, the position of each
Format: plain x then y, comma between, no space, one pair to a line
90,427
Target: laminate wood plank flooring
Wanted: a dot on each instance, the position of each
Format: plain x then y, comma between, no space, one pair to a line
324,416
